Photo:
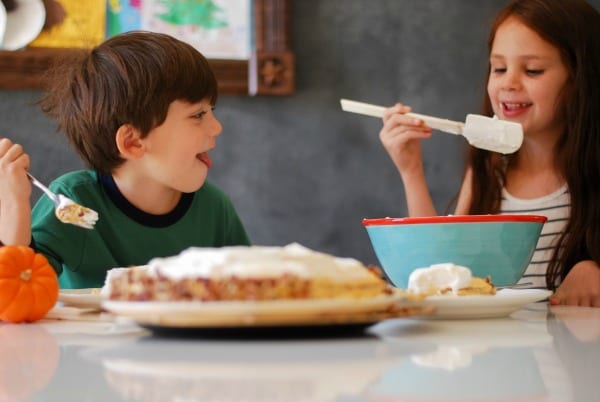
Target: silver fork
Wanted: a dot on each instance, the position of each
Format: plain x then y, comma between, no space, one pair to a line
67,210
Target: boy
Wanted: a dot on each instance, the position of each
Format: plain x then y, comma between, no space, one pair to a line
139,111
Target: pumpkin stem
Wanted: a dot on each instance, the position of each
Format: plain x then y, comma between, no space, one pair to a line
26,275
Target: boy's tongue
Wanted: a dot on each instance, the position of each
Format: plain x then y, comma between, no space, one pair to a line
205,158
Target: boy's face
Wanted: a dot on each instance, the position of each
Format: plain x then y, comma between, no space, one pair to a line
526,79
176,151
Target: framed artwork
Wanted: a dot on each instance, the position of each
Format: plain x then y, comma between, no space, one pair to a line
247,42
220,29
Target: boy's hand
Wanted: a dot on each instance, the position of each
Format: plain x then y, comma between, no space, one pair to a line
581,287
15,193
14,163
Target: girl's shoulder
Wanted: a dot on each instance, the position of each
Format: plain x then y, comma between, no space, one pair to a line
559,198
562,191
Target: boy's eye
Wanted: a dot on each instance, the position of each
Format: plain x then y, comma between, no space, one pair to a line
202,113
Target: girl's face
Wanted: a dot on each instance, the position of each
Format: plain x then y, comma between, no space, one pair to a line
526,78
176,151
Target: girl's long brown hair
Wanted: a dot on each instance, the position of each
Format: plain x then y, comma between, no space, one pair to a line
573,27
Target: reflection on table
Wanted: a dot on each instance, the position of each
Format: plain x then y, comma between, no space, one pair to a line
537,354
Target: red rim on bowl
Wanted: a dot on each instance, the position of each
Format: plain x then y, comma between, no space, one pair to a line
455,219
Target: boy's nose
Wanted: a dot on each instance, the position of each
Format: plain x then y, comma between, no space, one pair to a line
217,127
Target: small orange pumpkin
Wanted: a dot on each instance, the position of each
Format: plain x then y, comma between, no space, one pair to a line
28,285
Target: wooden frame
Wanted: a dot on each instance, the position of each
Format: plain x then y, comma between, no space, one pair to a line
270,70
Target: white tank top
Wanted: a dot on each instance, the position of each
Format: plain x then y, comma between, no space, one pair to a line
556,207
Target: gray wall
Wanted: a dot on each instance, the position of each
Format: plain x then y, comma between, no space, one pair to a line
298,168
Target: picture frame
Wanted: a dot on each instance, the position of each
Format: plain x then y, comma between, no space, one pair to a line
269,71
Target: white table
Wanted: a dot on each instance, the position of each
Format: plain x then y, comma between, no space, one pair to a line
534,355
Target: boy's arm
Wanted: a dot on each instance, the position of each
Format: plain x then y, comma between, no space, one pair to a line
15,223
15,193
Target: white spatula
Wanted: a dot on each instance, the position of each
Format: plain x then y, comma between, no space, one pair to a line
482,132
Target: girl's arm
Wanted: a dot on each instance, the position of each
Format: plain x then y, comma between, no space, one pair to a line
401,136
418,198
581,286
464,197
15,193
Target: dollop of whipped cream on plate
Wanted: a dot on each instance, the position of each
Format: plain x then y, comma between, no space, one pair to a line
438,277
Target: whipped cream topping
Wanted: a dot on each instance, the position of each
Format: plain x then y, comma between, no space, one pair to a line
438,277
257,261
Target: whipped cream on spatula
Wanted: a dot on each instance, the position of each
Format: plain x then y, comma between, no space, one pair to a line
482,132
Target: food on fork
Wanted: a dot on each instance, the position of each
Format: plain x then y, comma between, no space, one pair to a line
75,214
67,210
448,279
247,273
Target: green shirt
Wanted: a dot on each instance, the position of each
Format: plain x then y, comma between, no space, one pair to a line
125,235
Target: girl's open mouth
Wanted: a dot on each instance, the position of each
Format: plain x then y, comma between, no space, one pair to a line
512,109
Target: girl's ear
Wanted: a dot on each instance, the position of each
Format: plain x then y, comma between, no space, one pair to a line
129,143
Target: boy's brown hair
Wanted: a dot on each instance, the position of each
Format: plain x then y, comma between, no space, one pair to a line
131,78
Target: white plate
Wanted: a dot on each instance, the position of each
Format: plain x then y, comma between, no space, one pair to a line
264,313
23,24
86,298
502,304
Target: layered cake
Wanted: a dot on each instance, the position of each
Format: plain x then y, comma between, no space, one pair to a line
447,279
246,273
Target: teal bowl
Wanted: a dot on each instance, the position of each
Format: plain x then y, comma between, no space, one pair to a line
498,246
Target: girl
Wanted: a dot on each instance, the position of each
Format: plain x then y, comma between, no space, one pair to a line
543,68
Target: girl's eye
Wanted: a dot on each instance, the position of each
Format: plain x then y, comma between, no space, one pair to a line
534,72
498,70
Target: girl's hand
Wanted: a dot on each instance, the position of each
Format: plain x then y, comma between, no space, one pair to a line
401,137
581,287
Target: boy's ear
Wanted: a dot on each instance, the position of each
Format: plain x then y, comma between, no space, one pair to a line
129,143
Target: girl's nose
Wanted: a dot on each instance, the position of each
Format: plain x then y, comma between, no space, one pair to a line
511,81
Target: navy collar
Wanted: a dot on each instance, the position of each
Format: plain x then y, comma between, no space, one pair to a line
141,217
